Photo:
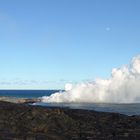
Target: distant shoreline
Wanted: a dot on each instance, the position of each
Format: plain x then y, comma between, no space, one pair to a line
19,99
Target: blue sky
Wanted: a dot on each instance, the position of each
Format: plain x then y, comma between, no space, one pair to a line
47,43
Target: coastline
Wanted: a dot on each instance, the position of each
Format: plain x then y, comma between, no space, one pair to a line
19,100
22,121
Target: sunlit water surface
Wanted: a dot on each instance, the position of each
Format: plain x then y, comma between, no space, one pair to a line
128,109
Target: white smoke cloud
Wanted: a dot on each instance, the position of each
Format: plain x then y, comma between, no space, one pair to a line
122,87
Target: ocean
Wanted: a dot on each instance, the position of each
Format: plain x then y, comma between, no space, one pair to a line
27,93
128,109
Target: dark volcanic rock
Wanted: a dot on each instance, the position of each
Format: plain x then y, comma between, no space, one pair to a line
24,122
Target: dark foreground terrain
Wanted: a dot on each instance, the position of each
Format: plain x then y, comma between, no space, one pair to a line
23,122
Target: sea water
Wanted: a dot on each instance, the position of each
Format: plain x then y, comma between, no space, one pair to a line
128,109
27,93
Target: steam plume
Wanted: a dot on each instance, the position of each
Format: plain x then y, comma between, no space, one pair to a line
122,87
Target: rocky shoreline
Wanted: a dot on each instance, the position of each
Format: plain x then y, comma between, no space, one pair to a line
19,100
24,122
